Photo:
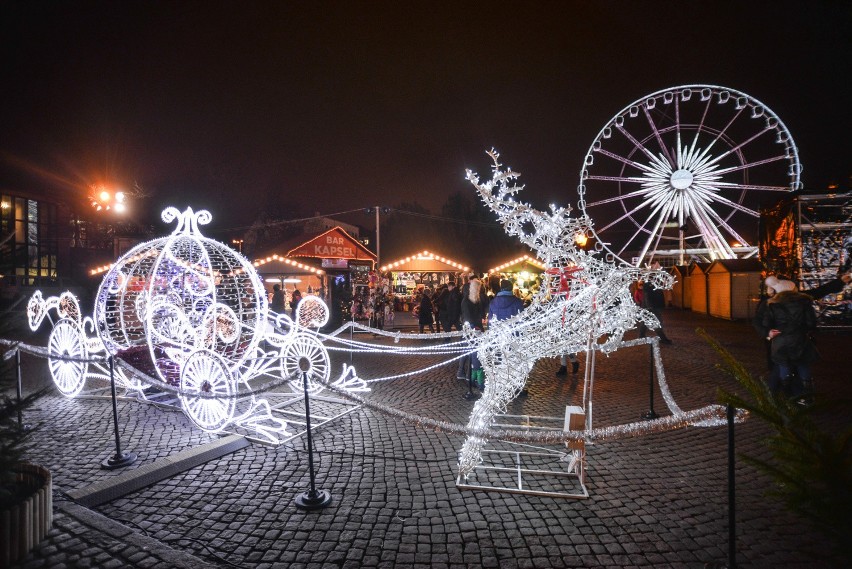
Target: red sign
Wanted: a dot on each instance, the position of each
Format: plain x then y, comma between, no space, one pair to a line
333,244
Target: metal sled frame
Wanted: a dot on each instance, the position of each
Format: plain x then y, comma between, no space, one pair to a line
324,409
534,471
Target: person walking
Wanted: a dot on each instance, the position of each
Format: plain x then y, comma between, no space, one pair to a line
790,319
451,313
439,303
773,380
425,316
277,303
503,306
833,286
472,314
563,364
295,299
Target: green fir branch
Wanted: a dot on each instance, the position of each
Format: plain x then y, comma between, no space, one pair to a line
811,468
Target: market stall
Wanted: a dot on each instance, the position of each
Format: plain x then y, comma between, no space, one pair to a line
524,272
733,288
410,275
698,287
680,293
291,275
331,264
352,281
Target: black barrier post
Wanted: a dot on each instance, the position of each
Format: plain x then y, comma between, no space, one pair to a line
20,390
313,499
651,414
732,527
119,459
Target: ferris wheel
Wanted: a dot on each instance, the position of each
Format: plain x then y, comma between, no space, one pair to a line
682,172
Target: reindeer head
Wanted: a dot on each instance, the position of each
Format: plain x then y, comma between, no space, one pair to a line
551,234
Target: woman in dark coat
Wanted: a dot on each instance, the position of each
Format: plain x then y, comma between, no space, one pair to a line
472,306
472,313
425,316
452,308
789,319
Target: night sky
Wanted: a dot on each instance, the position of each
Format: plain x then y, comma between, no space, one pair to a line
331,106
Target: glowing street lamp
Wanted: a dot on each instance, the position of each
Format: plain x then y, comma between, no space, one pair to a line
104,200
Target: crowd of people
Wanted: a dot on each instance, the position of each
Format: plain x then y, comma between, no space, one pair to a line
278,302
785,318
473,302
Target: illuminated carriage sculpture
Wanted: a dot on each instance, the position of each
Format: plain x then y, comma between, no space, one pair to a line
193,313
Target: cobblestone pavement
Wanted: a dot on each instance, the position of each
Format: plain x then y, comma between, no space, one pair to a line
658,500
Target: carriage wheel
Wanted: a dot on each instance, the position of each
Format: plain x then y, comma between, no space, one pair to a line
206,372
309,351
67,340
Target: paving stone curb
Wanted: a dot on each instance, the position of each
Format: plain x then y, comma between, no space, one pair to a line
95,522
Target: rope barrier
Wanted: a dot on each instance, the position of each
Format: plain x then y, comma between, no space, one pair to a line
704,416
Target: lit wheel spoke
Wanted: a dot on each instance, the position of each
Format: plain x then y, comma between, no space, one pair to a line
306,352
205,372
67,340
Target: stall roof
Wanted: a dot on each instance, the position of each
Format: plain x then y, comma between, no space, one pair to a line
681,270
699,267
276,263
523,263
425,261
332,244
736,265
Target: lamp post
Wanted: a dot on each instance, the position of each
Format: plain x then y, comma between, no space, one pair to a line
239,244
106,201
377,210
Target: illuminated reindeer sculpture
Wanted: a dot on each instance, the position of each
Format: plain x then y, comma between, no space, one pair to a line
584,303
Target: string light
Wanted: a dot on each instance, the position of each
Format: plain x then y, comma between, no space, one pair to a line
424,256
524,259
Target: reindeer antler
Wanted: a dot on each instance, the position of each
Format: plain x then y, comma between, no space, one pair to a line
552,234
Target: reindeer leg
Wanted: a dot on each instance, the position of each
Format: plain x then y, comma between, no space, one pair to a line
503,381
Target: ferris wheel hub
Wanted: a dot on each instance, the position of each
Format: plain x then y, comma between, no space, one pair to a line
681,179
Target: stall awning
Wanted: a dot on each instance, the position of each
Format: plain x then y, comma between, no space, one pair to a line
333,244
425,261
280,264
524,263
